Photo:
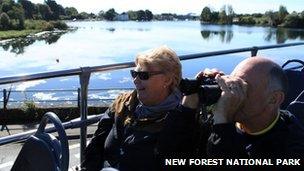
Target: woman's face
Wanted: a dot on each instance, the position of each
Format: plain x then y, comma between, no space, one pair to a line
153,90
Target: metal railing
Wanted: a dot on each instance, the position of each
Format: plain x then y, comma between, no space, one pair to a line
85,72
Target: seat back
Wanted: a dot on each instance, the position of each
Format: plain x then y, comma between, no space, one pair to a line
43,151
297,107
295,81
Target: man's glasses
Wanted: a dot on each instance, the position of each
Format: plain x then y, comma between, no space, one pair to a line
144,75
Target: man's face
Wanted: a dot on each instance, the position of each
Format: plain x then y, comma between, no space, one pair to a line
257,91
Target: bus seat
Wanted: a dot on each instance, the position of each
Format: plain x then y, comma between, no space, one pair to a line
35,155
42,151
297,107
295,80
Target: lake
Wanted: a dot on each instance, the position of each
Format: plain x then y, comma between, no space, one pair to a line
100,43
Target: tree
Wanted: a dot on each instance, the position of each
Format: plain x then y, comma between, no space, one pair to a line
17,13
45,11
5,23
149,15
206,14
29,8
141,15
249,20
132,15
293,20
282,13
214,16
82,15
110,14
56,9
272,17
230,14
7,5
223,15
101,14
71,12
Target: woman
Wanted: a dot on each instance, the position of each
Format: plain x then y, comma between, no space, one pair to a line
134,133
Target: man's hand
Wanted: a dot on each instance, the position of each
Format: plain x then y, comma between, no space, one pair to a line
192,101
234,91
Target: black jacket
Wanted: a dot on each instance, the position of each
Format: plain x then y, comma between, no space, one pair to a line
284,141
124,142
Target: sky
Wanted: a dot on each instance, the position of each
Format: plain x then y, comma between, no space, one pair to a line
180,6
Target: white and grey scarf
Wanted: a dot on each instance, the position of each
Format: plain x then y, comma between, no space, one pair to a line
170,103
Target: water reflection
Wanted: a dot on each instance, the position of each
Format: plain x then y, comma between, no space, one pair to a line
225,34
281,35
18,45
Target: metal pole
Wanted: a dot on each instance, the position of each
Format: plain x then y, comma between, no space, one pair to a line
4,99
84,83
78,97
254,51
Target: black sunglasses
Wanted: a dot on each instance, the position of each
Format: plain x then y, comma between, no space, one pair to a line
144,75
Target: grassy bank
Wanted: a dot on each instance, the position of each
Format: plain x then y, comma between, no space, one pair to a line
16,33
32,27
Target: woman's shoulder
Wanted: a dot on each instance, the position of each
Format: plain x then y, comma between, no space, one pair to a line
125,100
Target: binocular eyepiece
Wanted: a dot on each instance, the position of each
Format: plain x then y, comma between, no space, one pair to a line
207,88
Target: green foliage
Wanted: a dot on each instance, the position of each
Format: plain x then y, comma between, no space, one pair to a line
71,12
30,9
206,15
293,20
56,9
149,15
101,14
30,110
16,34
34,24
132,15
226,15
110,14
282,13
223,15
82,15
5,22
59,25
44,11
140,15
48,27
271,18
247,20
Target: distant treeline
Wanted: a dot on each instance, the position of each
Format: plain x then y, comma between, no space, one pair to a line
14,14
226,15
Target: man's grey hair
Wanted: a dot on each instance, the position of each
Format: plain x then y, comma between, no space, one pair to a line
278,79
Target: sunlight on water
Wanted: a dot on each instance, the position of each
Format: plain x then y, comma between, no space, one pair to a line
100,43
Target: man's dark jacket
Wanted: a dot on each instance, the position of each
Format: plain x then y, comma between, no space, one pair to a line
284,141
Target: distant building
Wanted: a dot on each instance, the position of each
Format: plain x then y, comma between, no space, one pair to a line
122,17
235,20
192,16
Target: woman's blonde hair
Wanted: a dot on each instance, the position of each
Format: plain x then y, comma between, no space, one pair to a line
164,58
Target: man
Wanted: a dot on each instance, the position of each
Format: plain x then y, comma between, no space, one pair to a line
247,121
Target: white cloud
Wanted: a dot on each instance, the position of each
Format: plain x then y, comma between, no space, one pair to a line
125,80
23,86
64,79
104,76
45,96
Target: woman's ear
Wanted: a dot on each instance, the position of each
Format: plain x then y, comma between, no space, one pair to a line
168,80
